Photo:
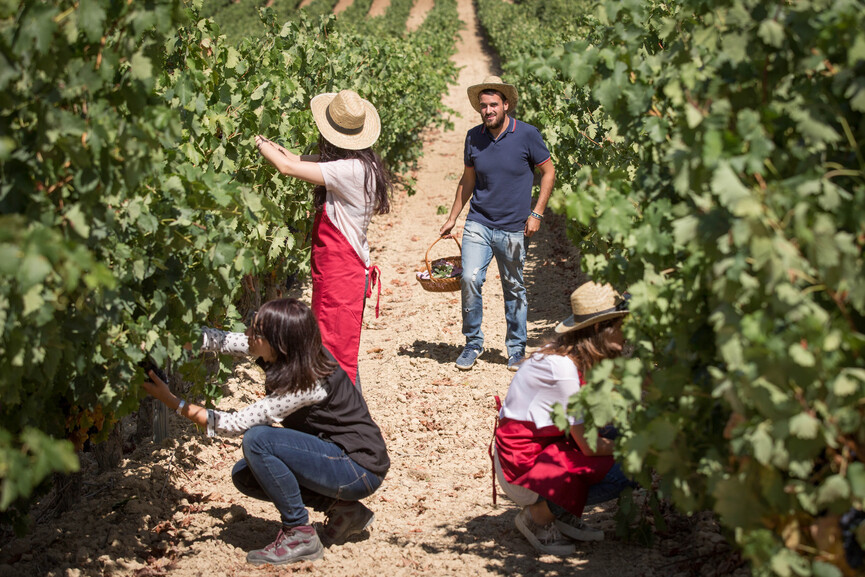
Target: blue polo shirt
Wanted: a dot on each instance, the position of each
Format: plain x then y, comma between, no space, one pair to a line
504,168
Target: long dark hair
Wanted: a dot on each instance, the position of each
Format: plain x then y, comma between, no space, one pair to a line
378,182
292,331
587,346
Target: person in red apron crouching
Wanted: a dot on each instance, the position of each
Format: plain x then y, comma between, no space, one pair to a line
554,475
352,184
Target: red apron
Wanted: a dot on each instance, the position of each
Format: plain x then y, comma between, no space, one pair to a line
338,291
549,463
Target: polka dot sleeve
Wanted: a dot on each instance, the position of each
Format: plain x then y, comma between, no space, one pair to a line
216,341
270,410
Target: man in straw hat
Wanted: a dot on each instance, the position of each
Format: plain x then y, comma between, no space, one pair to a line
501,155
554,475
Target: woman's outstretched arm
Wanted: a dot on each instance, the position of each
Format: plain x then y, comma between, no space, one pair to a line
267,411
158,389
289,163
223,342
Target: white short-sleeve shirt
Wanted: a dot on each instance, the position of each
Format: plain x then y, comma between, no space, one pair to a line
346,202
541,382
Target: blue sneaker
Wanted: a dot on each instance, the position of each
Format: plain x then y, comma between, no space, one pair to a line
514,361
467,358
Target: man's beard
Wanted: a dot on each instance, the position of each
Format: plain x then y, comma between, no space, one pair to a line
498,122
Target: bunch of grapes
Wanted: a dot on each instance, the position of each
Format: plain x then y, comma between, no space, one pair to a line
851,526
443,270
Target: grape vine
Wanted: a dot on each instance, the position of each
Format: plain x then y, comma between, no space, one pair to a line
133,203
711,162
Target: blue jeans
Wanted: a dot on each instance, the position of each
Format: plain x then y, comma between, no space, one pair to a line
290,468
480,244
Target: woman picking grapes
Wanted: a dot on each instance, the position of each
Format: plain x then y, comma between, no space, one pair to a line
328,454
551,474
352,184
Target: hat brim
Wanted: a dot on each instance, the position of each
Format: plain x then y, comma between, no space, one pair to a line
508,90
570,324
364,138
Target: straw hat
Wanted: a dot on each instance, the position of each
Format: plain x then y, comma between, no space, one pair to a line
346,120
593,303
493,83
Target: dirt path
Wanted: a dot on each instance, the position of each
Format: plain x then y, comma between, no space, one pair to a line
342,5
418,14
378,8
173,510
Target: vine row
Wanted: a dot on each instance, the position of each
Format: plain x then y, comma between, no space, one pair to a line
134,206
710,161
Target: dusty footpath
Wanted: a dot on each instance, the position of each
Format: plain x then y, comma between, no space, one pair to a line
172,509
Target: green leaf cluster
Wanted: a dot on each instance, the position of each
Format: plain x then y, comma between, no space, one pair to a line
710,161
87,260
134,206
240,20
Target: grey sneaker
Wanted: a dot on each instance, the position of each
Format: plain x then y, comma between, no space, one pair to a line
467,358
292,544
347,518
514,361
544,538
573,527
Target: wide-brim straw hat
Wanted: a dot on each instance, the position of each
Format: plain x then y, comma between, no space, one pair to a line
591,304
346,120
493,83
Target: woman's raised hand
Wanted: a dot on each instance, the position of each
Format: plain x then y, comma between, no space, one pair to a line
268,148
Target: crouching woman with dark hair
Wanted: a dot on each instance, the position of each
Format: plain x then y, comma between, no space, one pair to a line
329,453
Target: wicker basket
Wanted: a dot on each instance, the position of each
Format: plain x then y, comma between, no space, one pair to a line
440,285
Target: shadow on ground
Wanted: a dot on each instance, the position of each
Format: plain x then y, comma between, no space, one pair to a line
494,538
551,274
446,353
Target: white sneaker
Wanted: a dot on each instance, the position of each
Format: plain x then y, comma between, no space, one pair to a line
544,538
573,527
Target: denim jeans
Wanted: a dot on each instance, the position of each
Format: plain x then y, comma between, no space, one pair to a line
290,468
480,244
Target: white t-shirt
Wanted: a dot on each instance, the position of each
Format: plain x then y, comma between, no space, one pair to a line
541,382
346,202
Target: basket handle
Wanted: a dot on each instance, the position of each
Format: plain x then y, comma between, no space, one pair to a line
426,257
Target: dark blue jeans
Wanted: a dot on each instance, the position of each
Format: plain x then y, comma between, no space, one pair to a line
290,468
609,488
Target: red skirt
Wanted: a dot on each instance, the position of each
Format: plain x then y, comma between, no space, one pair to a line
549,463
